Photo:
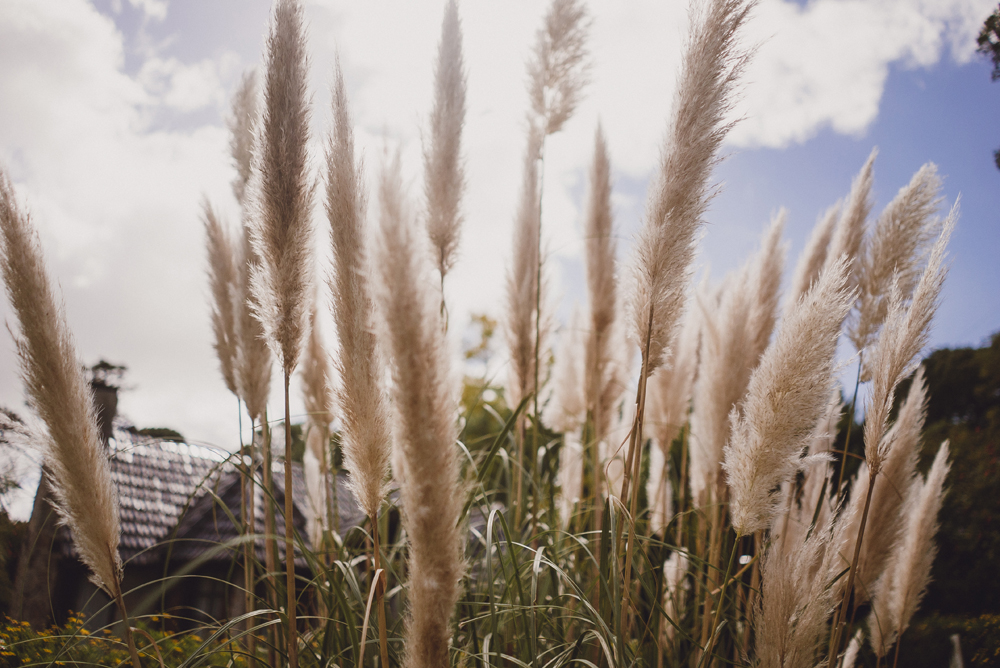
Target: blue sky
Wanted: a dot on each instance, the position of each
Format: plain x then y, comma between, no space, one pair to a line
112,127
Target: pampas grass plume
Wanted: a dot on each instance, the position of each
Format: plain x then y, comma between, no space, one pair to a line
282,230
769,264
850,233
444,178
813,256
903,336
425,432
241,132
786,396
905,580
76,460
253,357
222,279
680,194
895,252
362,402
559,69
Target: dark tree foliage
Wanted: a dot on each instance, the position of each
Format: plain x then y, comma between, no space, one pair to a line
964,407
989,45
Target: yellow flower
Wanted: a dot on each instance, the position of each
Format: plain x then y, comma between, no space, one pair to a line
84,632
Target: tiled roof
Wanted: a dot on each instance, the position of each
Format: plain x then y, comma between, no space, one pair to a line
180,497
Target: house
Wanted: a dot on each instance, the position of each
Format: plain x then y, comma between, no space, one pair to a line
180,514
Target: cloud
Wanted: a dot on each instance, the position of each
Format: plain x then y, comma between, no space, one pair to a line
825,63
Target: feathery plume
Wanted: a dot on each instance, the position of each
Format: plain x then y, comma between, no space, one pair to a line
670,388
814,500
242,124
365,434
558,72
317,396
425,427
895,252
786,395
791,620
444,176
679,196
765,276
886,520
723,373
76,461
222,279
567,409
570,475
317,393
850,233
674,570
813,256
603,380
853,647
904,582
659,491
282,230
904,334
253,357
522,280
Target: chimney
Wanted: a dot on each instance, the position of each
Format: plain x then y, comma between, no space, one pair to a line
106,405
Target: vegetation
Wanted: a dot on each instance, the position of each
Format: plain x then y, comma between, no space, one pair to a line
690,504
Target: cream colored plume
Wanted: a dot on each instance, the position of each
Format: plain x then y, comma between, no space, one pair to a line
253,357
425,427
317,384
723,373
365,432
570,476
223,279
567,409
815,498
896,252
444,175
674,571
850,233
791,622
75,458
558,70
604,373
905,580
679,194
813,256
282,227
785,398
886,518
242,125
765,276
903,336
668,401
522,281
659,491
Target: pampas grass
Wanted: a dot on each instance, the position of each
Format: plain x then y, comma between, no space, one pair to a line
282,230
679,195
889,496
785,398
895,252
222,280
363,406
905,580
850,232
425,431
765,277
558,70
813,256
76,460
444,174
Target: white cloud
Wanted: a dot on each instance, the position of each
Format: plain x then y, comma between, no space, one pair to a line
824,64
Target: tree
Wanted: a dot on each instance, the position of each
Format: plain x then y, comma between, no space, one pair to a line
989,45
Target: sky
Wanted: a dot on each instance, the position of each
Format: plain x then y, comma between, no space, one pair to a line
113,128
